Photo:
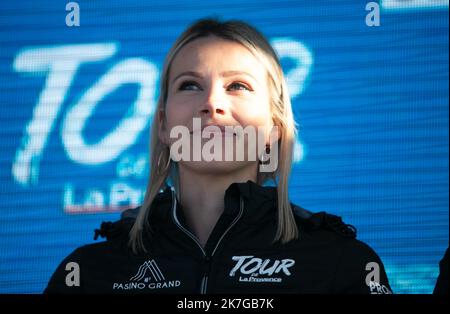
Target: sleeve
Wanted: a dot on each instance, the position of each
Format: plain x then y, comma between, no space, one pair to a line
360,271
67,278
442,280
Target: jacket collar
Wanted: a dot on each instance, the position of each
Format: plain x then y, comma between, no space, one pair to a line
259,203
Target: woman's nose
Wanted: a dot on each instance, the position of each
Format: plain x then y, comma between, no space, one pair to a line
215,103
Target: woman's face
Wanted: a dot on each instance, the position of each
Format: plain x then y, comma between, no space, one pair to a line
221,83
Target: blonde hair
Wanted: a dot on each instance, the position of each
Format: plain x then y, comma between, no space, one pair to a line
162,168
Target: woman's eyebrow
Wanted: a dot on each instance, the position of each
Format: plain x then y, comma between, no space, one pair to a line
190,73
223,74
231,73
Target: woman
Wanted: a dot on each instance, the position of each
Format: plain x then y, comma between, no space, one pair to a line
211,225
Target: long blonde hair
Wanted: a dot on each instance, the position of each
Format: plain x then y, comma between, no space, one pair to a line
162,168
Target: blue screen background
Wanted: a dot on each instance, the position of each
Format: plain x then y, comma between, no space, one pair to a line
76,104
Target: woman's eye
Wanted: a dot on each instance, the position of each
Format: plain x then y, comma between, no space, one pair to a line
238,86
189,85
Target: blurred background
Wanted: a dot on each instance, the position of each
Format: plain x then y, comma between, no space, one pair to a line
369,87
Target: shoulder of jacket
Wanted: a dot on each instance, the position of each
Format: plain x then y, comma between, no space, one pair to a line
130,213
161,197
113,230
323,221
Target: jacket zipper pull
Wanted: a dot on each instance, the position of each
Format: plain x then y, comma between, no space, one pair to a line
207,268
206,271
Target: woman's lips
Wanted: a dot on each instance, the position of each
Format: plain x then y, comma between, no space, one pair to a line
216,130
208,133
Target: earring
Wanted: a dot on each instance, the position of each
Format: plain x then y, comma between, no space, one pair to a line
267,151
159,164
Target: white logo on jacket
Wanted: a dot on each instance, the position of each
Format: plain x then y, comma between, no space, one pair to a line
254,269
148,276
373,279
150,269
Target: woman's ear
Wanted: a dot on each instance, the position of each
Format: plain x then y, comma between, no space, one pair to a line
162,129
274,134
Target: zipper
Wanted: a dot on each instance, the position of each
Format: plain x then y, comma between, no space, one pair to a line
206,270
207,258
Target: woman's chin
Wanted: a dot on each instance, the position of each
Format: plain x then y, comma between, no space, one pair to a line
216,167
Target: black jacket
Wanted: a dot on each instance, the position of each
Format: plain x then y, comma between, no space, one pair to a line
239,256
441,286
